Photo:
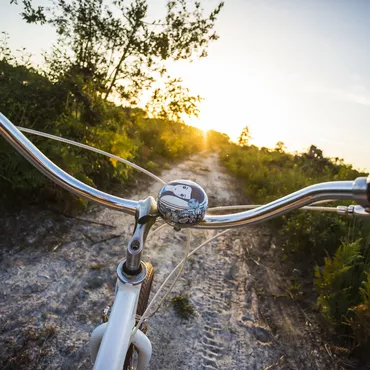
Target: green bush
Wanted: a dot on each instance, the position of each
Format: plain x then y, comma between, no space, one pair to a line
314,235
338,282
28,98
335,245
360,320
343,286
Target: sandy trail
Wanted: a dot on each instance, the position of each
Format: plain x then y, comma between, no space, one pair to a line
58,274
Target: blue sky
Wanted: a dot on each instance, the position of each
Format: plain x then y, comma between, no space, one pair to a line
296,71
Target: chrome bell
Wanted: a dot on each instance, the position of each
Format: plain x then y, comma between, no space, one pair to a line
182,203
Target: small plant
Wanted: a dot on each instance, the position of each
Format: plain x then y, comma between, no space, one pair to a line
152,166
95,266
295,290
343,284
42,334
182,306
360,321
338,282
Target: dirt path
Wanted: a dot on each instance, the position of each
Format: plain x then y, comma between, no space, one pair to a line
58,274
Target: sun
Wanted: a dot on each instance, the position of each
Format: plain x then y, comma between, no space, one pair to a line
202,124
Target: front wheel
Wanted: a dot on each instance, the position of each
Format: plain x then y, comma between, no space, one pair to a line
141,307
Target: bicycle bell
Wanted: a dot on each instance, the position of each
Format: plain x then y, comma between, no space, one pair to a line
182,203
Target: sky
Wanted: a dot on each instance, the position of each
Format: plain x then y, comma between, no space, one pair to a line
296,71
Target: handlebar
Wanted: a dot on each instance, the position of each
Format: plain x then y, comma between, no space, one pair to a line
335,190
56,174
358,190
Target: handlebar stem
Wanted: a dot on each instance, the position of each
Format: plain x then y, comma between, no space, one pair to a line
145,218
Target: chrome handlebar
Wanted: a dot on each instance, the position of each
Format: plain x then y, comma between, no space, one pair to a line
358,190
336,190
56,174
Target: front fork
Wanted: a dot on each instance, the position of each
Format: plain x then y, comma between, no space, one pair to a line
110,341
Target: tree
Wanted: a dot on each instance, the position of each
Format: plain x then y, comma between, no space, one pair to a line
244,137
115,51
280,147
26,96
315,153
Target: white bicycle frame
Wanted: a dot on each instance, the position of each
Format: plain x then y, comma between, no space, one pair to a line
110,341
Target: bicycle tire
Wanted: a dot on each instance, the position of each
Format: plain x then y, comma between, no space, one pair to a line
141,307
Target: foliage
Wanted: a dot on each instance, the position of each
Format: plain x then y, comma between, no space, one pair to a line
114,49
244,137
161,138
360,320
107,51
313,235
30,99
343,286
183,307
30,13
216,141
338,281
173,101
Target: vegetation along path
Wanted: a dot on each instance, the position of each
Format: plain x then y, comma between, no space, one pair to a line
228,311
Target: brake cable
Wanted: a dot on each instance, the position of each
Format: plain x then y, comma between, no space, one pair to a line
92,149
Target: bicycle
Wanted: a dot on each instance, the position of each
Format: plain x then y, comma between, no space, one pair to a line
182,204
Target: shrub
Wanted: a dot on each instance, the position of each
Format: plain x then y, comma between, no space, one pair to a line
338,282
360,320
315,242
30,99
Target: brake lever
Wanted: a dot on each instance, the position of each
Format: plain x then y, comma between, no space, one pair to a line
357,211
